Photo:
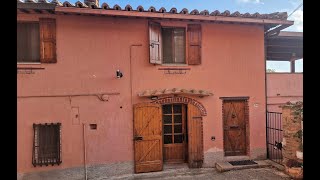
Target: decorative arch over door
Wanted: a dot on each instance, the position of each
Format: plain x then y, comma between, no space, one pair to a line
182,100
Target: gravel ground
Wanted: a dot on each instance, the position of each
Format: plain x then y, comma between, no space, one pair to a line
209,174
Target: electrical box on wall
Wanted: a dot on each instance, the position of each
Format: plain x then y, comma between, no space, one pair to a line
75,115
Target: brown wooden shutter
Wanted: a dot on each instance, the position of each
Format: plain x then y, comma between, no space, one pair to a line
194,44
155,43
195,137
48,40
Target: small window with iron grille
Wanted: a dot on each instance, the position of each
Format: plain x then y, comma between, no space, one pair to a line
46,144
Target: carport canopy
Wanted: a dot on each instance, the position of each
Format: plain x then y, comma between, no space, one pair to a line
286,46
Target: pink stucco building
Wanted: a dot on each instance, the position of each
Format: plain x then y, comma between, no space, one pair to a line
282,88
192,88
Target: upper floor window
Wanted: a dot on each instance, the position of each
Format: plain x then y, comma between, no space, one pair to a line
36,41
171,45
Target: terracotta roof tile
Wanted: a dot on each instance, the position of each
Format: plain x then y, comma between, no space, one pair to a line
225,13
57,2
235,14
105,6
43,1
152,9
194,12
246,15
184,11
158,92
67,4
80,4
117,7
173,10
140,8
128,8
205,12
256,15
162,10
215,13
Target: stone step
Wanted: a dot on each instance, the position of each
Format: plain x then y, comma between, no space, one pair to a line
226,166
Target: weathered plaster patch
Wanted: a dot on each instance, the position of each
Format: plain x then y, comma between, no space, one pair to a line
214,150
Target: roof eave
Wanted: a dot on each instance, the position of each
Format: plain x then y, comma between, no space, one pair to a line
103,12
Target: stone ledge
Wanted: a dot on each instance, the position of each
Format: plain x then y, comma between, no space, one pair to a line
226,166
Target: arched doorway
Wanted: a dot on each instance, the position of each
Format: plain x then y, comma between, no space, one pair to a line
149,133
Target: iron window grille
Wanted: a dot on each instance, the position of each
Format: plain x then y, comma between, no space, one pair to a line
46,144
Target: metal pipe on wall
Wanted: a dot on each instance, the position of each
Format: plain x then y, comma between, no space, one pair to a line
85,151
132,45
130,57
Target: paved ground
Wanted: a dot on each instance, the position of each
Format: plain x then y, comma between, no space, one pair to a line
184,173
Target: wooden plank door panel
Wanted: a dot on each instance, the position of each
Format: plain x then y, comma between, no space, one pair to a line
234,128
148,137
195,137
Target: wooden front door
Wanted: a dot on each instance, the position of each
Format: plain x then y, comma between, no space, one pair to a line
234,126
148,137
174,133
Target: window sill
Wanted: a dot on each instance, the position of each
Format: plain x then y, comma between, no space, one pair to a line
28,63
175,65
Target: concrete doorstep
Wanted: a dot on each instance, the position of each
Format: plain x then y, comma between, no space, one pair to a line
226,166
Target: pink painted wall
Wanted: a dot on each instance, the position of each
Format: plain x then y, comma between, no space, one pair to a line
283,87
91,49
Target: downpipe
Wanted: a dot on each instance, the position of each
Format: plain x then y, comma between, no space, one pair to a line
85,152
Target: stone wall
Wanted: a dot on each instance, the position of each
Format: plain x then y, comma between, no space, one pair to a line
291,119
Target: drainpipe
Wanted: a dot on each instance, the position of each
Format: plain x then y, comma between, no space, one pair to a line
266,91
132,45
85,152
130,57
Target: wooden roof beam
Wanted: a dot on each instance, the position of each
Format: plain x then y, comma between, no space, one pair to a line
276,31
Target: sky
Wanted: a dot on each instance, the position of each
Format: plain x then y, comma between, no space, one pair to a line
243,6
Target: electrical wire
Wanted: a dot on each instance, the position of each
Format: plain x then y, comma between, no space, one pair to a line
296,9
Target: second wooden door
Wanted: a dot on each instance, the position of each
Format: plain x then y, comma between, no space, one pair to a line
174,133
234,126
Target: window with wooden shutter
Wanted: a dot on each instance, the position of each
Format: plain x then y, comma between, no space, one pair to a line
28,45
194,44
48,40
155,43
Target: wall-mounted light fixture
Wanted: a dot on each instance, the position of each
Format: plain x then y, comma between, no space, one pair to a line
154,97
119,74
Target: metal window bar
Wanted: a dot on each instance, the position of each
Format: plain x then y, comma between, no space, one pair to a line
274,136
46,144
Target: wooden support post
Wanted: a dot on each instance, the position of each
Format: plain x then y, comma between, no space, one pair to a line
293,63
